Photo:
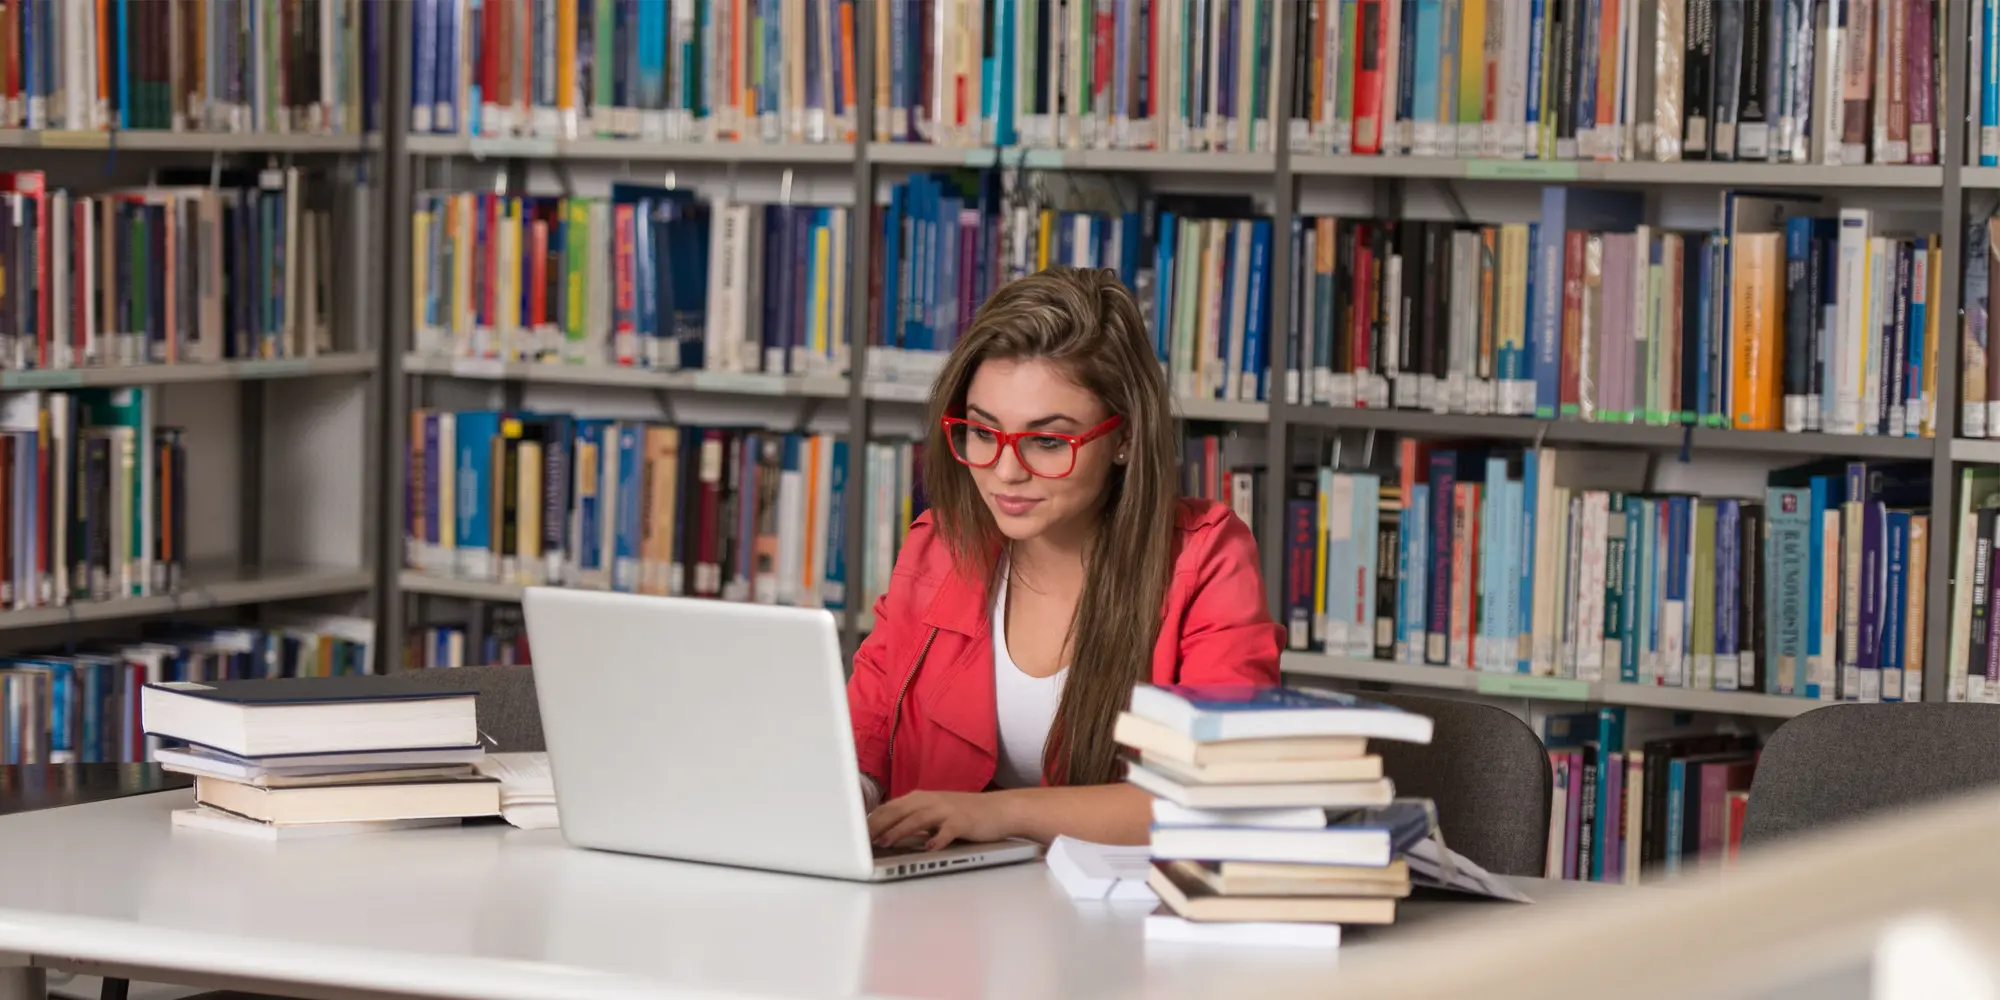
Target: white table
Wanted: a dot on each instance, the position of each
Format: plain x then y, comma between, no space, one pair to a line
492,912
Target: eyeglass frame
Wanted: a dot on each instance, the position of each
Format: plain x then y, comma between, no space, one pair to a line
1004,440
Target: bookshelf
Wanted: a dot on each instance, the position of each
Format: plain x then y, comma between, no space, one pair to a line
1294,177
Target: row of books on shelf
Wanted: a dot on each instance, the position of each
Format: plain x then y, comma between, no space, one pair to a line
643,507
1787,81
730,70
83,705
650,277
93,499
1629,805
276,66
195,267
1561,564
502,640
1974,661
1785,318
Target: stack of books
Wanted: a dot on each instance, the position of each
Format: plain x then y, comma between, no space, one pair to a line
320,756
1272,823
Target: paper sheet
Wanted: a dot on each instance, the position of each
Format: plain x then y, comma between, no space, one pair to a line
527,788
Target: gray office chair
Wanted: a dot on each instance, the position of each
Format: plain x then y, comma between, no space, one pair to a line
1843,762
1487,772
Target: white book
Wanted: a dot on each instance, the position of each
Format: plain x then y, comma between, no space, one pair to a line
1087,870
1590,605
1828,103
1848,355
203,820
1163,927
1166,813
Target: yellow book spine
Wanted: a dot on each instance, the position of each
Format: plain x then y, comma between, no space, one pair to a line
566,66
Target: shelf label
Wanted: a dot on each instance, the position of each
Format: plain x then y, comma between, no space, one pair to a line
1526,686
483,148
1520,170
42,378
748,383
75,139
274,367
478,368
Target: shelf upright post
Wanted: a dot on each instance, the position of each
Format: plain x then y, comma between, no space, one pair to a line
391,387
860,242
1284,199
1951,233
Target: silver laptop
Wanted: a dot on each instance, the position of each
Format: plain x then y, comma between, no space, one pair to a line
710,731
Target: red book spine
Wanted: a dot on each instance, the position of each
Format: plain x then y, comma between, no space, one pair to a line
1572,321
1361,317
1922,92
1371,53
538,274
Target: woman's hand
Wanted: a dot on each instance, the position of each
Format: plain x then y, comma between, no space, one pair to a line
945,816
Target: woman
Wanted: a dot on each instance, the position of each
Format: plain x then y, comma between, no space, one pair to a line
1057,568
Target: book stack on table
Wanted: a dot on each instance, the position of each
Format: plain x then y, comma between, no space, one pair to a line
1272,823
314,757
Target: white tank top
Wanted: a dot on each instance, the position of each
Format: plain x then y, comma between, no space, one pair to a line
1025,706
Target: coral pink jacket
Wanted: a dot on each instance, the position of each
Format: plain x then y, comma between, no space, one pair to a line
921,696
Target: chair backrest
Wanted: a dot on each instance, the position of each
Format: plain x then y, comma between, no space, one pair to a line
1843,762
1488,774
508,711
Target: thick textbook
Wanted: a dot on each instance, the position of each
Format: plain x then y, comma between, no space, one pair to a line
308,715
1235,712
1364,838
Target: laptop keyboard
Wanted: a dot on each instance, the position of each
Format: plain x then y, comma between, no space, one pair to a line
900,850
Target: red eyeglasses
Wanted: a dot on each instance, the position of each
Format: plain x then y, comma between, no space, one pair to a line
1042,453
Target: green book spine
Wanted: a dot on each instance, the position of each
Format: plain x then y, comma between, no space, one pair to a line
1703,597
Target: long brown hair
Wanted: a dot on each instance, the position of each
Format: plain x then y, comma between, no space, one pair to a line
1088,323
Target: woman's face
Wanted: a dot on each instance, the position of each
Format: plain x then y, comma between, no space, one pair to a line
1033,395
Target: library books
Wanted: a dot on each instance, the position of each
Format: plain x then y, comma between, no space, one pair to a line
650,277
93,498
630,506
728,70
196,267
1627,806
1784,81
1207,473
1198,265
82,705
1560,563
501,640
1196,791
1974,658
300,770
1980,349
1790,316
336,792
1178,75
209,820
1206,713
359,802
315,715
281,66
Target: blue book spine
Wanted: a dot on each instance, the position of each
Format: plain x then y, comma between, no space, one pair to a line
833,589
424,73
1587,56
1424,106
1492,563
1005,60
1662,548
1708,404
1507,641
1913,361
1896,550
447,69
93,677
1676,797
436,506
1537,22
1443,478
1524,624
628,496
124,63
892,252
1789,530
652,55
1989,84
1415,587
1526,374
475,17
586,549
473,482
1547,327
62,694
1806,678
1257,327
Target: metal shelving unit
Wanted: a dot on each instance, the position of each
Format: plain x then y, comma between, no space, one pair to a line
156,141
205,589
215,371
1745,703
869,161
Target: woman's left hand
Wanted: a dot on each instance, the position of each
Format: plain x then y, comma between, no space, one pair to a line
946,816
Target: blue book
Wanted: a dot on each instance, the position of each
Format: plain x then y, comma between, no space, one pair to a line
447,96
1708,404
586,549
1424,104
1913,359
1633,573
1507,641
1728,525
1413,580
1257,327
1525,377
652,39
1537,27
424,74
1676,811
892,273
472,481
1163,286
627,493
833,589
1790,531
1005,64
1896,588
1603,732
1492,563
1211,713
1586,72
1989,83
124,59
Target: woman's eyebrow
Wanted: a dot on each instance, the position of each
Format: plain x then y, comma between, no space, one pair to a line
1036,424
